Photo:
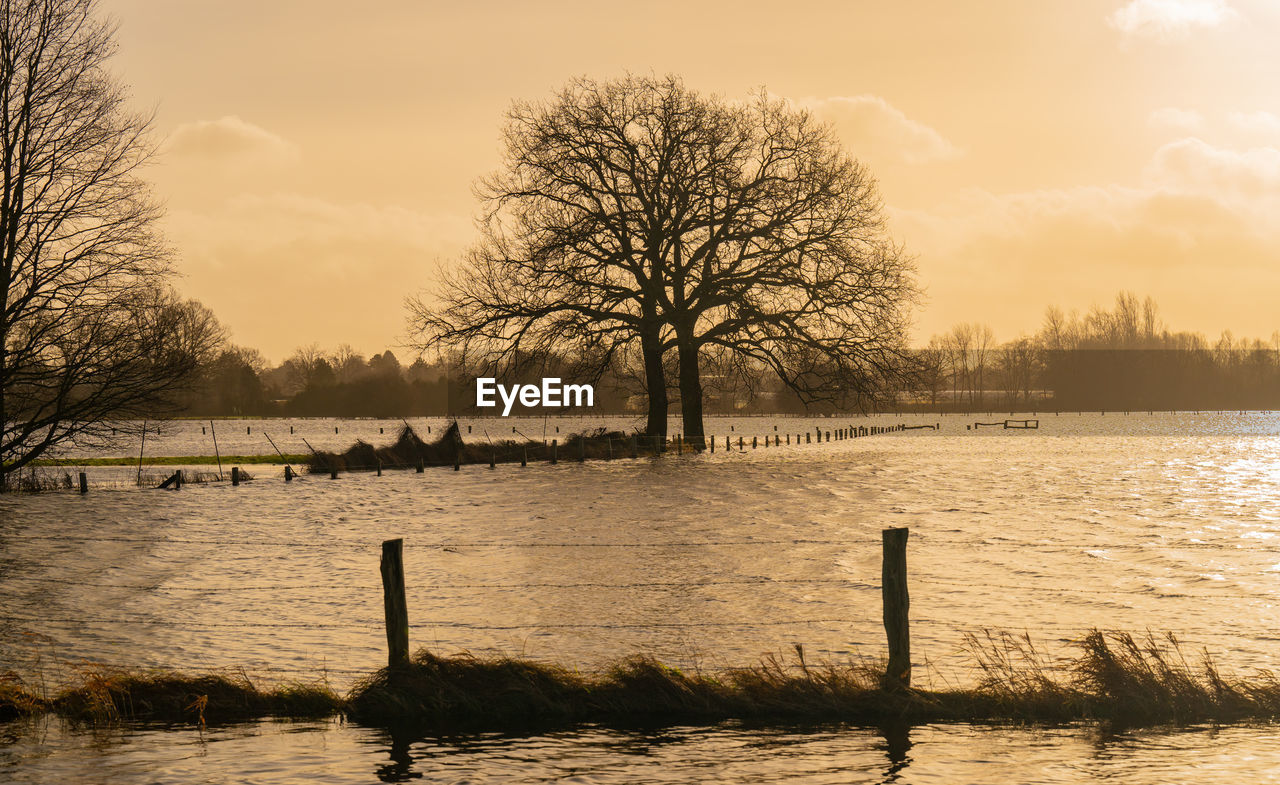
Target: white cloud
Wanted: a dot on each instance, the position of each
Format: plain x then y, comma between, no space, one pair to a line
228,139
1170,19
1260,123
1170,117
872,127
1194,166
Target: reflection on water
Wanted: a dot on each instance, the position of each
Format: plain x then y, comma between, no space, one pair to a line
1167,522
268,753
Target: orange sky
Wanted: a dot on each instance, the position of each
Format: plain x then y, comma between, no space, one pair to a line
318,156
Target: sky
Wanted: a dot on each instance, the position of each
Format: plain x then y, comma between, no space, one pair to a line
317,158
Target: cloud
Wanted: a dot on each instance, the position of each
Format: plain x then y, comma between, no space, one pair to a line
872,127
1263,124
1194,166
228,139
1200,232
1184,120
273,264
1170,20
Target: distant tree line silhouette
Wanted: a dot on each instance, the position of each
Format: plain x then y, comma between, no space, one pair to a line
1119,359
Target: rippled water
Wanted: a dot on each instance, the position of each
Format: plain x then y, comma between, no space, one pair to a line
1166,522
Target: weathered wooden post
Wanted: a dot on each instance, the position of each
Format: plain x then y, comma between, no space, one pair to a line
754,441
457,459
288,474
235,475
788,440
247,429
379,468
524,456
740,443
555,449
493,458
893,586
394,607
84,483
713,445
808,438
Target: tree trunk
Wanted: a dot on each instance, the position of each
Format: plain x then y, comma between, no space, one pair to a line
656,383
690,390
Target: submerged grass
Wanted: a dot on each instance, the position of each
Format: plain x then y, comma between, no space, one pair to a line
105,695
1114,677
409,450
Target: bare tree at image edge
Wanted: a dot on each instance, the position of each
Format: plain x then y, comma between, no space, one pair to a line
636,212
89,331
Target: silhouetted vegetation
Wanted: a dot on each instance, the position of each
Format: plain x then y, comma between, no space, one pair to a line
89,328
1122,359
636,218
1114,677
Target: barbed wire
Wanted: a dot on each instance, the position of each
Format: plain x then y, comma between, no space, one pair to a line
369,587
420,625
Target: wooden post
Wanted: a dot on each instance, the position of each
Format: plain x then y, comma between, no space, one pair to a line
235,475
740,443
493,458
333,473
379,468
808,437
288,474
524,456
713,445
893,586
395,609
457,460
555,450
84,483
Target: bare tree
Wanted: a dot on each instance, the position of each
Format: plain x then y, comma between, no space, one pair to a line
88,330
636,212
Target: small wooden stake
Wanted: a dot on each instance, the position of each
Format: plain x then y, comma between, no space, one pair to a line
84,483
235,475
555,448
395,609
893,586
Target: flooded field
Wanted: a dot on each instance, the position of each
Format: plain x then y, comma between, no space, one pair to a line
1161,522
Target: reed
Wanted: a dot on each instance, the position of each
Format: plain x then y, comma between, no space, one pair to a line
1113,677
104,695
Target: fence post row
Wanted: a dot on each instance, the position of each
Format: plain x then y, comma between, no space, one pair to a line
395,609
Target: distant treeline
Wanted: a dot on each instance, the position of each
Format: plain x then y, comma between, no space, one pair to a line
1120,359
